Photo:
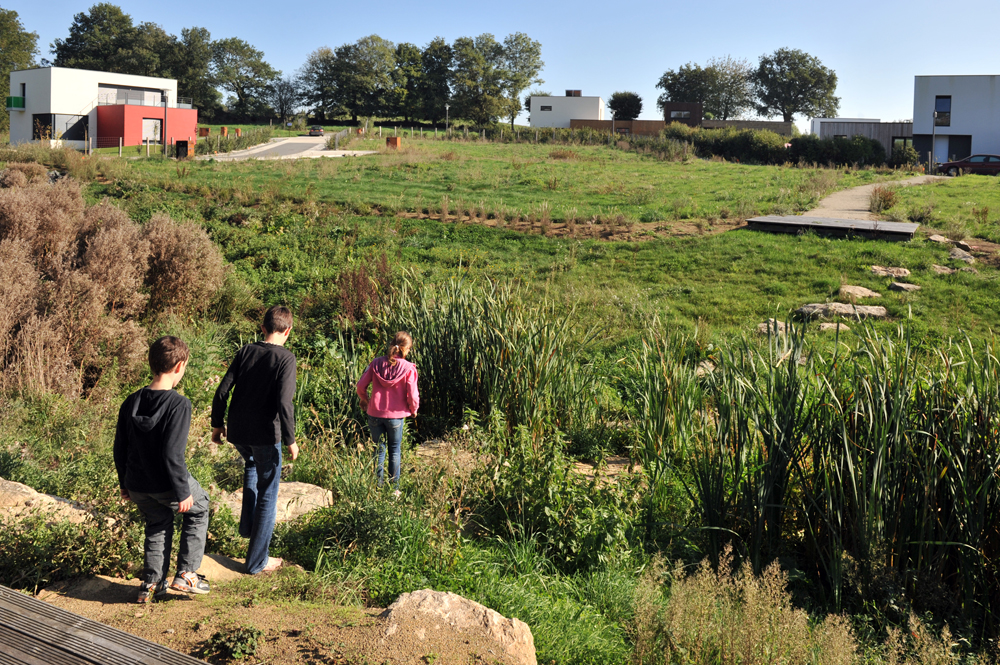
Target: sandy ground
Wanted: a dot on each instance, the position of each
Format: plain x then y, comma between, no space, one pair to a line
853,203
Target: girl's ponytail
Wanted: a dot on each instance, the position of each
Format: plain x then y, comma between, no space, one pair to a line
401,341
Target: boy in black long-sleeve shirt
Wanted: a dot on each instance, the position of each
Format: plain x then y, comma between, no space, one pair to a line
150,440
261,418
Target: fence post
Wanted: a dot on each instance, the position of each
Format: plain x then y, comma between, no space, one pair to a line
146,141
120,146
394,130
536,136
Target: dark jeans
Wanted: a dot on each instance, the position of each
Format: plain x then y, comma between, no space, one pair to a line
387,433
159,510
261,479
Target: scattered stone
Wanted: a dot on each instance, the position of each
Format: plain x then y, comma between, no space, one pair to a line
424,615
829,325
858,292
772,326
961,255
704,367
969,269
961,244
828,310
903,286
169,631
881,271
942,270
294,500
939,238
18,500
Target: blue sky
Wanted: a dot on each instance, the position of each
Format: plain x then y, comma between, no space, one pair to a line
876,48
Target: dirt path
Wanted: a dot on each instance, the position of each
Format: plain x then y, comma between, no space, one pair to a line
853,203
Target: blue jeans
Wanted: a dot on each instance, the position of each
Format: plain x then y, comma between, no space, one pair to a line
261,478
387,433
159,510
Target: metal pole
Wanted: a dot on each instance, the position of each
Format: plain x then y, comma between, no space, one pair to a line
446,130
933,156
119,146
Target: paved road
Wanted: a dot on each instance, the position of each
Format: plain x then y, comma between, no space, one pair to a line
853,203
297,147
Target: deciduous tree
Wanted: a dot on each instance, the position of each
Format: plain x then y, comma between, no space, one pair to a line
625,105
363,75
534,93
18,49
102,39
480,81
522,59
434,86
405,99
316,82
789,82
722,86
240,69
284,97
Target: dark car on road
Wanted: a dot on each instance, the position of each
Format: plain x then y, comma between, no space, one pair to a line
315,130
981,164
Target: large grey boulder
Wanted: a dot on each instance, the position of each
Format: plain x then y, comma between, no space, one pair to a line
942,270
829,310
961,255
294,500
773,326
904,286
430,617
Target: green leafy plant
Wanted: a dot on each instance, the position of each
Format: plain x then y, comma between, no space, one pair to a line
235,644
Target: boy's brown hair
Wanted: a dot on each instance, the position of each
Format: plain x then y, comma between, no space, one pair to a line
277,319
166,352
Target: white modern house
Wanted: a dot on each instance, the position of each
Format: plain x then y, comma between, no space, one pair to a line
78,107
558,111
957,115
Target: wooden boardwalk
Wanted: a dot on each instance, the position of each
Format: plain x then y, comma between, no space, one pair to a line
35,633
876,230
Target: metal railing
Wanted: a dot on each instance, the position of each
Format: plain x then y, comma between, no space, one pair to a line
15,103
143,99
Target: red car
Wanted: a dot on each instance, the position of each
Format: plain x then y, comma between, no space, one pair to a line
981,164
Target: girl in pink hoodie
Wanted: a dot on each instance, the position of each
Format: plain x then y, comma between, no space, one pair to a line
393,397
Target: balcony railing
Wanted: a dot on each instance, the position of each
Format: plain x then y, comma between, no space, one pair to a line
15,103
140,99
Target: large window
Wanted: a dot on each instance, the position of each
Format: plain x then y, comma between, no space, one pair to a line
45,126
545,108
41,127
680,114
902,142
942,111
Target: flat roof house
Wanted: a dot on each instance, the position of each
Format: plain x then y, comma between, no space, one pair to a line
960,115
78,107
558,111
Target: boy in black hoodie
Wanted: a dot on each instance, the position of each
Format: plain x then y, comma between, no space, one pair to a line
150,440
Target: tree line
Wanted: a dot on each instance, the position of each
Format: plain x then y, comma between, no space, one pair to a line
480,78
784,84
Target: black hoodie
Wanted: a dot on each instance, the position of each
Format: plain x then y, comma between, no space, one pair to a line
150,440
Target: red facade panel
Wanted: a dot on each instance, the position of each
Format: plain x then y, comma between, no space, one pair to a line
125,121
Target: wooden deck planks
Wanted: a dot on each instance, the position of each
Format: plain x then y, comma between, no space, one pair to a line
834,227
33,632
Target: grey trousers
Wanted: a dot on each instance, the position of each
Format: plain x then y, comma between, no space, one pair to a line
159,510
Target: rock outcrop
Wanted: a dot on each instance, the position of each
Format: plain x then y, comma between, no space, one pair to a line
882,271
18,500
858,292
294,500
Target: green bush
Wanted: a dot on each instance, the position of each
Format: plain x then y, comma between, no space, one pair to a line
855,151
903,157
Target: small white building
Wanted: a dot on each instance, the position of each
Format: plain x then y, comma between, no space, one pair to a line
960,115
74,106
558,111
816,124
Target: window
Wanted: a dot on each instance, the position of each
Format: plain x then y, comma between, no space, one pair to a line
977,159
22,90
840,136
545,108
41,127
680,114
901,142
70,127
942,111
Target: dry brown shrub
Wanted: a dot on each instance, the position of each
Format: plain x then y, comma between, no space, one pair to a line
732,617
75,283
18,288
562,154
33,171
185,269
11,178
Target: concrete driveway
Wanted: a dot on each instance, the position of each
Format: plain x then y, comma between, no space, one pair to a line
296,147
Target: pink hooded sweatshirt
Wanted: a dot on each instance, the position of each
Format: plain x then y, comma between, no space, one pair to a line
394,388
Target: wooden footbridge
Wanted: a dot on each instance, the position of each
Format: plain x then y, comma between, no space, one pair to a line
841,228
35,633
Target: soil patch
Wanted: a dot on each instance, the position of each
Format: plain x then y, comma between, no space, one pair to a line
293,631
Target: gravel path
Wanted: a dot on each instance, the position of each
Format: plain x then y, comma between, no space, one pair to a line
853,203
